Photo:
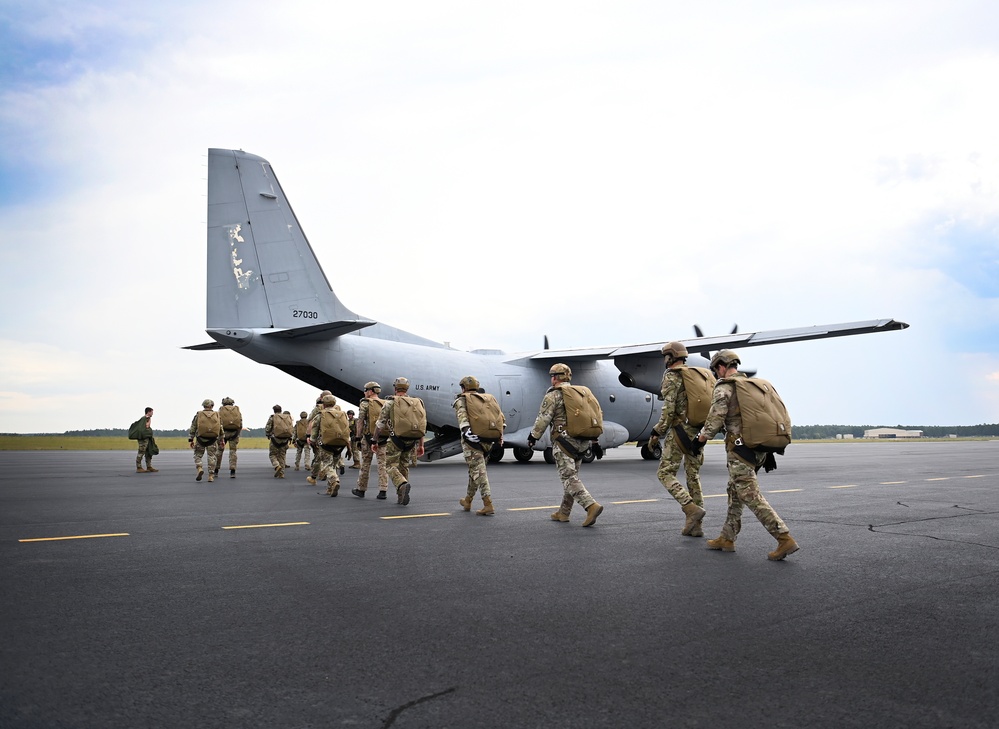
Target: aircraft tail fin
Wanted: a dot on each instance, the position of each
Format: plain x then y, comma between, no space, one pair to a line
262,272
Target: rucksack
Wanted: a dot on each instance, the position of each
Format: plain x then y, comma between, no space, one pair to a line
208,424
698,383
766,425
375,406
301,429
334,432
583,416
484,416
409,417
283,426
136,428
232,419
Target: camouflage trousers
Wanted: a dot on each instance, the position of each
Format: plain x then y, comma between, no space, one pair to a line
669,464
744,490
397,462
301,447
200,450
477,478
330,463
144,444
231,440
573,489
366,457
278,452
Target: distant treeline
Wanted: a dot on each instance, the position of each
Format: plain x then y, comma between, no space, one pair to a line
801,432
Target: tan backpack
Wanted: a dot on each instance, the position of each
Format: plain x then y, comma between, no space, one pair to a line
484,416
283,426
375,406
232,419
409,417
766,425
334,431
583,416
208,424
302,429
698,383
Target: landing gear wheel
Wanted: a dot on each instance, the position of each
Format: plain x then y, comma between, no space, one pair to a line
523,455
588,456
652,454
496,454
549,456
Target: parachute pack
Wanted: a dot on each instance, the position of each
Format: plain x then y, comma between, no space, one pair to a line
232,419
375,406
484,416
766,425
699,383
409,417
208,424
282,427
334,431
302,429
584,418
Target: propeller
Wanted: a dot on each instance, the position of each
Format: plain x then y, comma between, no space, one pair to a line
700,333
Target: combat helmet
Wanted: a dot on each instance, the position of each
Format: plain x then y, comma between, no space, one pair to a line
328,400
725,357
372,386
228,401
469,383
208,404
674,351
562,370
401,383
304,415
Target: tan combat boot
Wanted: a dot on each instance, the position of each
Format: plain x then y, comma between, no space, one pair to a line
721,543
785,546
150,469
487,507
309,479
140,469
695,514
466,503
592,512
559,516
211,476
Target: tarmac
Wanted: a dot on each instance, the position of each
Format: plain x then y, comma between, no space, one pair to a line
153,600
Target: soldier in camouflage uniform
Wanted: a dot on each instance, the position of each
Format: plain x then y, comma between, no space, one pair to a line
302,442
475,452
364,435
674,415
147,445
277,451
230,436
397,451
567,450
205,443
743,463
355,443
332,458
315,473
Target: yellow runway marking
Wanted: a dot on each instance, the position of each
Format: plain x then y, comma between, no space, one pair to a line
536,508
944,478
714,496
265,526
83,536
890,483
978,476
784,491
845,486
636,501
414,516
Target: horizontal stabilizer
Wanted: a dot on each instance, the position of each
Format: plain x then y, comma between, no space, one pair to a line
205,347
319,332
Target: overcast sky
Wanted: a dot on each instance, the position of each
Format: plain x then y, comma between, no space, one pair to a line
770,164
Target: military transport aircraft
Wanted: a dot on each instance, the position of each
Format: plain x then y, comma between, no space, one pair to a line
269,300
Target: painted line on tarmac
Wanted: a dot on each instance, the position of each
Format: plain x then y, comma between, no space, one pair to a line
636,501
784,491
82,536
844,486
890,483
535,508
714,496
266,526
414,516
942,478
981,475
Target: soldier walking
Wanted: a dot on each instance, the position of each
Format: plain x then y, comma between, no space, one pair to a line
475,450
368,411
232,426
147,443
302,442
203,437
400,446
279,430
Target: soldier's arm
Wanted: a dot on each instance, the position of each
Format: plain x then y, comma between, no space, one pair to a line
545,416
715,421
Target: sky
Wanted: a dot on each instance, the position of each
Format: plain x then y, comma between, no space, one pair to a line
613,173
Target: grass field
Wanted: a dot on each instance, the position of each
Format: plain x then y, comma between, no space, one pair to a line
87,443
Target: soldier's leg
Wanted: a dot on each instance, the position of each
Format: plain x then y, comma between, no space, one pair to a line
733,518
334,461
393,457
669,464
233,458
272,456
140,454
199,452
282,459
383,478
213,453
568,472
747,488
219,452
365,467
299,447
692,467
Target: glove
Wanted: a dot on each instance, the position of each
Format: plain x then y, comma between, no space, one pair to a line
695,446
468,435
597,449
531,440
654,438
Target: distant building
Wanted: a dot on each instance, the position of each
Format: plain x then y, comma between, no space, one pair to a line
844,436
892,433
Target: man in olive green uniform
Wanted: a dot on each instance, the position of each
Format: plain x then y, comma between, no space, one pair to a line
315,474
674,416
331,457
147,445
279,430
354,446
568,451
232,426
743,463
203,437
302,442
365,433
397,450
475,451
